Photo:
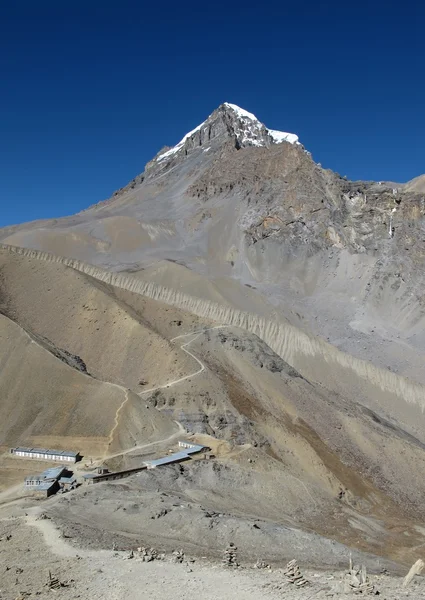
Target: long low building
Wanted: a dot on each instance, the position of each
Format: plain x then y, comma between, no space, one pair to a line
45,454
188,450
176,457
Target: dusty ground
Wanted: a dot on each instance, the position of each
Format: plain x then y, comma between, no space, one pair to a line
35,548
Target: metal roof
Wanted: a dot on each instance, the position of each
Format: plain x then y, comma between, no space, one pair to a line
67,480
47,451
194,448
48,474
53,472
166,460
175,457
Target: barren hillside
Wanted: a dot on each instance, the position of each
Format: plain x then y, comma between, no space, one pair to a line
237,294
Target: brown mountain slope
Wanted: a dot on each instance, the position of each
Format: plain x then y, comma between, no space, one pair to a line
47,402
416,185
297,456
332,460
82,315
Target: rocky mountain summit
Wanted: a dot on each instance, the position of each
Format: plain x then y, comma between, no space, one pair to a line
228,123
228,127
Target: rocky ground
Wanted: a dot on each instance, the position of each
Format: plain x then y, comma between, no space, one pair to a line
32,553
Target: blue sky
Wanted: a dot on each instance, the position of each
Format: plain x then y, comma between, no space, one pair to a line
90,92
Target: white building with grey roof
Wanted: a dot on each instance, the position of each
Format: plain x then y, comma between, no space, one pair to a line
45,454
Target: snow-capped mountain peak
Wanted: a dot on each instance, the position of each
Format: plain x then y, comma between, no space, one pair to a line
240,111
229,121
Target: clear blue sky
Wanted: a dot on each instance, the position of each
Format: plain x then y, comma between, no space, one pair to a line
90,92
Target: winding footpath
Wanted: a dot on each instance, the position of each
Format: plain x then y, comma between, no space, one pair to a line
183,347
181,429
170,438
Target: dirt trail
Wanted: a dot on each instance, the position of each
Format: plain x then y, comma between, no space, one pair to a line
117,418
170,438
183,347
52,537
9,495
181,430
105,575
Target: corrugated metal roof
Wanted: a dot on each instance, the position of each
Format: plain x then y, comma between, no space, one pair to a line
176,457
194,449
53,472
47,451
48,474
166,460
67,480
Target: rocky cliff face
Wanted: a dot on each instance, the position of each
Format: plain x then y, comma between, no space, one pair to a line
228,123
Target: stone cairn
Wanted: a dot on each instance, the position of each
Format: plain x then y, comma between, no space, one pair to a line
54,584
293,574
149,554
261,564
356,581
178,556
230,556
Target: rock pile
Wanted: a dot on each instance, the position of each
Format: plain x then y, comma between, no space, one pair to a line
293,574
54,583
230,556
356,581
178,556
260,564
149,554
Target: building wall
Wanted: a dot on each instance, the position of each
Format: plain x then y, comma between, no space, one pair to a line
43,492
115,475
37,455
183,444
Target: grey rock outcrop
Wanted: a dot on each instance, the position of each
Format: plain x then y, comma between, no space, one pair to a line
227,127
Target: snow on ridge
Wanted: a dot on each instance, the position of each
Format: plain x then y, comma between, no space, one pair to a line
277,136
241,112
281,136
177,147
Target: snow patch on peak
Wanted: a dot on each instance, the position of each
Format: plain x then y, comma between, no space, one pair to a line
241,112
250,132
282,136
177,147
277,136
